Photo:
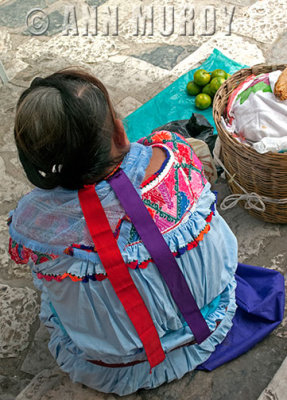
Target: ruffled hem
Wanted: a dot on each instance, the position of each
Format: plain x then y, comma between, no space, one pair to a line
127,380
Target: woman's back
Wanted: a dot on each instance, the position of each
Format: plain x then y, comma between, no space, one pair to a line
92,337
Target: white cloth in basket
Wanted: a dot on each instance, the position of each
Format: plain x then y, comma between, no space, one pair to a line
254,113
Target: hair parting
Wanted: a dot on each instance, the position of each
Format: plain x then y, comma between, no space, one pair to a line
63,130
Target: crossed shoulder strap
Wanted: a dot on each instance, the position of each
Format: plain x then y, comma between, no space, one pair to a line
160,252
117,270
118,274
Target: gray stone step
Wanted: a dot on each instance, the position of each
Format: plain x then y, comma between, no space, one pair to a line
277,388
3,75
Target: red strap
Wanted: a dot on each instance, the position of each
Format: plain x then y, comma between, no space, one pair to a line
118,274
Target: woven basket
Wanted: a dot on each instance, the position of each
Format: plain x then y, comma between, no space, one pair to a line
264,174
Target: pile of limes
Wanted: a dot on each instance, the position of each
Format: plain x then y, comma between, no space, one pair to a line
205,85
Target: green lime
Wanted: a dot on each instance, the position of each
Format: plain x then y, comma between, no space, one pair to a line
203,101
201,77
227,75
216,83
206,89
220,73
192,88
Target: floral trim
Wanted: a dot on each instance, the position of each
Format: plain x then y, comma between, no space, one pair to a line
132,264
21,254
70,250
74,278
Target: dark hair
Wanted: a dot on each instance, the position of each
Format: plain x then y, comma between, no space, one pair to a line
63,130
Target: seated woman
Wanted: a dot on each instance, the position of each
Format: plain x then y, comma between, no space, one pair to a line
124,310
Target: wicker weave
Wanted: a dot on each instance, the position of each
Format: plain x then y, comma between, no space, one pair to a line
264,174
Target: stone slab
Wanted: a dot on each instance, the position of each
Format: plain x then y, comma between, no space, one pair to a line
5,42
95,3
38,357
259,242
12,19
10,386
242,3
277,388
127,106
278,54
166,56
264,21
233,46
134,76
83,49
54,384
3,74
12,67
19,309
11,188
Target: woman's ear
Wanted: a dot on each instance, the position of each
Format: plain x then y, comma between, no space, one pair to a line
120,137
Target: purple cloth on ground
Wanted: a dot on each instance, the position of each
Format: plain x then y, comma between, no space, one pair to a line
260,296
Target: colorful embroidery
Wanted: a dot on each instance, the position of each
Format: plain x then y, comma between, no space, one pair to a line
70,250
181,149
74,278
175,188
169,199
21,254
132,264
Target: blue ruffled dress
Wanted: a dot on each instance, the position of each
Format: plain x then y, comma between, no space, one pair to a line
85,319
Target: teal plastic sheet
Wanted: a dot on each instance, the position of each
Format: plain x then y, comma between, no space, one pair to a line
173,102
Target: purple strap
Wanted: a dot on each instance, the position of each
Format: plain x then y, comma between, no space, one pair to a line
160,252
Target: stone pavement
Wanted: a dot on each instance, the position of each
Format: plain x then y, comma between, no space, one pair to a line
135,64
